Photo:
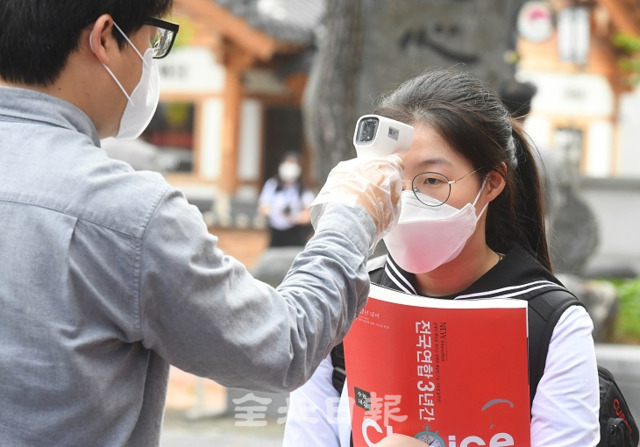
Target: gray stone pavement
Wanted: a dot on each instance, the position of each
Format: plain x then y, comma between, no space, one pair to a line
202,413
221,431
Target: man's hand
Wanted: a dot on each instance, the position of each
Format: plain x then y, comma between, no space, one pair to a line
374,184
400,441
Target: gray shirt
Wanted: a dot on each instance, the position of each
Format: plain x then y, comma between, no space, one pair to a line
108,275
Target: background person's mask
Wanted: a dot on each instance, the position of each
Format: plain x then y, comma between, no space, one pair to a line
142,103
427,237
289,172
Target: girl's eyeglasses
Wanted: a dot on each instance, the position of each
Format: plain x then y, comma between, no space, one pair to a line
434,188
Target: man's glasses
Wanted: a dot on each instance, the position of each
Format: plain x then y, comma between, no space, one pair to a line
165,35
433,188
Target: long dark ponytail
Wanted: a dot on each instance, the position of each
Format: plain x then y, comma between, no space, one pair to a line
518,213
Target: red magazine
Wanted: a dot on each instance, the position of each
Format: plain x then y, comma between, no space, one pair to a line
453,373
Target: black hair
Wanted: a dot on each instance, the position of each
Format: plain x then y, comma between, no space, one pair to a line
470,116
516,97
37,36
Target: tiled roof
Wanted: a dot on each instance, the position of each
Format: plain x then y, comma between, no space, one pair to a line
291,21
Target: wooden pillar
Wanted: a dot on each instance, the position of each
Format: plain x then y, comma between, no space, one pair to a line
242,46
231,131
236,63
622,15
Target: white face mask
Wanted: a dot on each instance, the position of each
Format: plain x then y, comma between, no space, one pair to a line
142,103
427,237
289,172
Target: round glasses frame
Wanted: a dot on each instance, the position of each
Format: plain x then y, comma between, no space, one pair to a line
434,188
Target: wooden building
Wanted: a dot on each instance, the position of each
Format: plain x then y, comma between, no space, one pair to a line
566,48
231,91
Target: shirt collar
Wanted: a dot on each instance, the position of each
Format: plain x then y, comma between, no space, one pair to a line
26,105
398,278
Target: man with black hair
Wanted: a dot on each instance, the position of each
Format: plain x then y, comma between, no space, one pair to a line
108,275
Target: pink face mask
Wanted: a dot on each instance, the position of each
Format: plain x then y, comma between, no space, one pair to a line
427,237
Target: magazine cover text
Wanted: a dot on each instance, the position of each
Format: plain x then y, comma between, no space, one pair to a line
451,373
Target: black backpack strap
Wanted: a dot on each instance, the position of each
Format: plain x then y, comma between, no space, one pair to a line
545,309
339,372
375,269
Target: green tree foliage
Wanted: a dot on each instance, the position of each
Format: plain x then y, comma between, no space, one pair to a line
630,61
628,320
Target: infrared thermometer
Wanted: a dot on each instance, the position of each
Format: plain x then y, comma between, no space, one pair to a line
378,136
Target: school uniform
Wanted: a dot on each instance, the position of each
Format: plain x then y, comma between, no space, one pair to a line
564,409
285,202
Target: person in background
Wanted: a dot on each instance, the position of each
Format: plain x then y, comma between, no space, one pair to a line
471,226
107,275
284,201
